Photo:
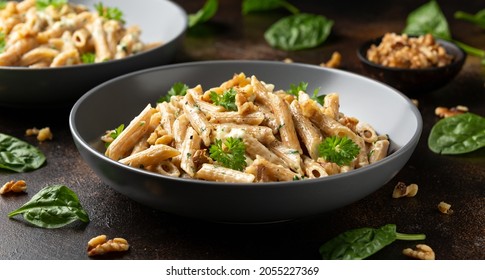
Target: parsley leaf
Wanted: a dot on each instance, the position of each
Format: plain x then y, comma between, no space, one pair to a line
3,4
2,42
226,100
88,57
340,150
302,86
42,4
109,12
176,89
230,154
115,133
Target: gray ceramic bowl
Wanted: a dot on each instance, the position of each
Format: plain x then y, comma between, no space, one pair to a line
159,20
121,99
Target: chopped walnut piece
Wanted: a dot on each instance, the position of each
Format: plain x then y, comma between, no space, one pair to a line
444,112
288,60
445,208
13,186
422,252
401,190
334,62
415,102
42,134
99,245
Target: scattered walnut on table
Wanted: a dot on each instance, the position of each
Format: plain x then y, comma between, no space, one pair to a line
42,134
445,208
99,245
13,186
334,62
401,190
444,112
422,252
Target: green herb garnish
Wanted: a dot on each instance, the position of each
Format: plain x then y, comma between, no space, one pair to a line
459,134
478,18
42,4
230,154
297,32
207,12
2,41
88,57
115,133
249,6
340,150
19,156
52,207
109,13
176,89
302,86
3,4
226,99
358,244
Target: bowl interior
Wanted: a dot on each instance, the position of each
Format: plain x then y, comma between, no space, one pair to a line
414,81
121,99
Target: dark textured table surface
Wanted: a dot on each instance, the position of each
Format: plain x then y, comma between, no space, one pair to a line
458,180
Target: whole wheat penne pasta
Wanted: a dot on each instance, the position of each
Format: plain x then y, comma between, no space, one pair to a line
378,150
309,134
254,148
41,54
190,145
263,169
212,172
313,169
153,155
130,135
285,122
264,134
234,117
367,132
331,105
165,167
289,155
197,119
13,54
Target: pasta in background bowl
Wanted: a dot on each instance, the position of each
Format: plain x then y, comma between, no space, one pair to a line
52,55
360,97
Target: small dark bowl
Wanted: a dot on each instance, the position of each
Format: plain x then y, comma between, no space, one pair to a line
414,81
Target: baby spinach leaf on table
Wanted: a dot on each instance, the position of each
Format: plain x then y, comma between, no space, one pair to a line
428,19
52,207
249,6
19,156
459,134
205,13
300,31
358,244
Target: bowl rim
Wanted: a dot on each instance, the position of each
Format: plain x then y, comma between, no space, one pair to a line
310,182
183,29
457,61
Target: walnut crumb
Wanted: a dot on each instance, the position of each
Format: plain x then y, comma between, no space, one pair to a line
13,186
445,208
444,112
334,62
422,252
42,134
401,190
99,245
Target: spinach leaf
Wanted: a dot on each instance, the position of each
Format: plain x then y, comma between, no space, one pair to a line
249,6
297,32
19,156
207,12
358,244
478,18
460,134
428,19
52,207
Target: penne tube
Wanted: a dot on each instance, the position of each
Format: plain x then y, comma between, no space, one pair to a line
197,119
265,171
309,134
378,150
262,133
190,145
254,148
255,118
212,172
285,122
313,169
290,156
153,155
